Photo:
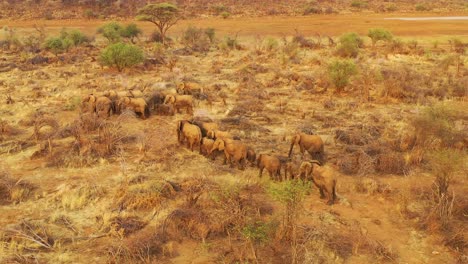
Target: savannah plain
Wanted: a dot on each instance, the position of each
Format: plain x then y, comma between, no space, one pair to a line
79,187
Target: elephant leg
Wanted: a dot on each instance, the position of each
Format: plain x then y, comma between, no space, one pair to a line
260,172
322,194
191,145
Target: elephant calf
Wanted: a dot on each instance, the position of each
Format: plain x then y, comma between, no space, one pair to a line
323,178
205,147
271,163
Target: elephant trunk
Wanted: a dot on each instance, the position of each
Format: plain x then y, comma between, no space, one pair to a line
291,149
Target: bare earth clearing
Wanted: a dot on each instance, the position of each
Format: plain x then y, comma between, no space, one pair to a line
77,208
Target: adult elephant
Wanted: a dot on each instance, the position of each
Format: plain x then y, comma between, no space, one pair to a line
310,143
180,102
271,163
234,151
323,178
138,105
189,132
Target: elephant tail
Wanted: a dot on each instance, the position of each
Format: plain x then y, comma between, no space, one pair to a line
293,141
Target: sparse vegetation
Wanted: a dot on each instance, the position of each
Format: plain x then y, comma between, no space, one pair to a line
93,170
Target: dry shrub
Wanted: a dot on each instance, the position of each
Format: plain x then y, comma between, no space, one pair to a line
6,130
126,225
144,246
405,83
29,235
370,186
357,135
14,190
193,188
187,222
43,122
391,162
319,245
77,197
438,124
380,250
359,161
143,196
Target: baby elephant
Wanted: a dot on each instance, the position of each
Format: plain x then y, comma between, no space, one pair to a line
322,176
271,163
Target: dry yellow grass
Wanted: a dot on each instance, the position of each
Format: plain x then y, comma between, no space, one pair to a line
139,196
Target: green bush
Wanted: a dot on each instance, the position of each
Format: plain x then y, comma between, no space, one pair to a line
391,8
111,31
225,15
379,34
359,4
75,36
65,41
55,45
210,33
349,45
271,44
422,7
121,56
88,13
114,32
131,31
340,71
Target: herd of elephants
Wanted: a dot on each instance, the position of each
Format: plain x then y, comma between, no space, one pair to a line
204,133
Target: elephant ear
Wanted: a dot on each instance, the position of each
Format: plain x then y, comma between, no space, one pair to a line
221,145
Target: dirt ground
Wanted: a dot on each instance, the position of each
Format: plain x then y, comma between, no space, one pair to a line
68,205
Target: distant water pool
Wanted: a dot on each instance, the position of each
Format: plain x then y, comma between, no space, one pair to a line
428,18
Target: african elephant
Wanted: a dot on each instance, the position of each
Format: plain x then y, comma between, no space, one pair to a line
215,134
205,147
94,104
234,151
103,107
88,103
189,88
310,143
205,126
251,156
138,105
180,102
271,163
323,178
189,132
165,110
156,99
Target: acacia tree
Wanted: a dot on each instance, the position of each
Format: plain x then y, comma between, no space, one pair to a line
163,15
